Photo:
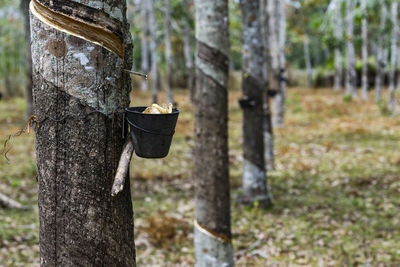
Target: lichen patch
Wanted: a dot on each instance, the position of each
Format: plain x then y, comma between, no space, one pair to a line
82,58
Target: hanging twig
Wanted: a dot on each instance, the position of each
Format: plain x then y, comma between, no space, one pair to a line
32,121
123,167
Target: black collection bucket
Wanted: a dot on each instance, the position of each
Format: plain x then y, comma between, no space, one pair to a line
151,133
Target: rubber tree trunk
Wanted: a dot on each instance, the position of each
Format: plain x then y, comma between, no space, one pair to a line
254,174
277,26
379,79
364,35
338,33
168,49
153,49
269,156
280,98
398,73
80,223
351,76
145,43
307,59
393,56
187,49
211,164
28,66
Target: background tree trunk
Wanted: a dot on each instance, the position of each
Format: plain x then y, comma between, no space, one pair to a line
187,49
338,32
393,57
254,175
145,43
28,66
351,76
398,73
80,223
364,36
280,98
168,50
307,58
153,49
269,156
380,55
211,165
277,29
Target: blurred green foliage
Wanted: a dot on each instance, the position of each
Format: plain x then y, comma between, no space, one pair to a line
12,49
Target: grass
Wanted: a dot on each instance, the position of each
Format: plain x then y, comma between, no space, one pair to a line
335,189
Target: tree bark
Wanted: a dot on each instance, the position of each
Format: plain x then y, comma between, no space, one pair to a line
211,164
168,50
187,49
80,223
393,57
153,49
380,56
338,33
254,174
364,33
145,44
351,76
307,59
269,156
28,66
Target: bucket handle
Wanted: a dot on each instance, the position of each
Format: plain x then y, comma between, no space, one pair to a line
147,131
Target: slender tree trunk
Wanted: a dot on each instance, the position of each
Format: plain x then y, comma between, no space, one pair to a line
364,30
338,32
211,165
280,98
28,66
268,130
80,223
351,76
153,49
273,43
380,55
254,174
393,57
168,50
307,59
187,50
9,85
145,43
398,72
277,30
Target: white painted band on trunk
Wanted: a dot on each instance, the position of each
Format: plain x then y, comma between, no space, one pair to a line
253,177
210,250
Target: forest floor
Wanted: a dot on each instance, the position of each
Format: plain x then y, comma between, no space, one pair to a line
335,189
